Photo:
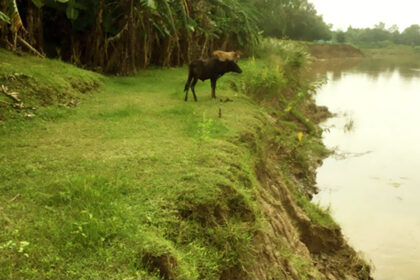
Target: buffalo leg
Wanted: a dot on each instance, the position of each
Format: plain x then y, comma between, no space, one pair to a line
193,88
213,88
187,86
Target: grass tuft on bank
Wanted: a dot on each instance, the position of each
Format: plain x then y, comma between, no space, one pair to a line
39,83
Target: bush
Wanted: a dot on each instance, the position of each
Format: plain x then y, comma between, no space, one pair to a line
416,49
281,69
262,84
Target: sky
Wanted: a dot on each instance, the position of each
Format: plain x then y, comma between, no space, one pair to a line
367,13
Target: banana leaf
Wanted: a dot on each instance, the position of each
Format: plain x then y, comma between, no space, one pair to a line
4,18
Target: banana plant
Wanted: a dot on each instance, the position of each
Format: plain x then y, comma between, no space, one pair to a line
4,17
165,32
72,6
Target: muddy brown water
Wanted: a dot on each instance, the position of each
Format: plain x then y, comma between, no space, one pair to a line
372,182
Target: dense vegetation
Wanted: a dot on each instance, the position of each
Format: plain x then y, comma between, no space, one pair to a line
293,19
380,35
123,36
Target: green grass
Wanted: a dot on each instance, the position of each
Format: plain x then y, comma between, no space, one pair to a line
400,51
134,182
317,214
134,175
42,82
302,266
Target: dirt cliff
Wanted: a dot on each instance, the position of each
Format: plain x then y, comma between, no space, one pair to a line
324,51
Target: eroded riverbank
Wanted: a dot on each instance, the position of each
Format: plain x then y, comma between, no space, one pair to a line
136,183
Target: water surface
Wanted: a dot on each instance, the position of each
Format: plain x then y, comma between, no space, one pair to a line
372,183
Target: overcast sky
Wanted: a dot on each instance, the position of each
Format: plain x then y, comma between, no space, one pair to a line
367,13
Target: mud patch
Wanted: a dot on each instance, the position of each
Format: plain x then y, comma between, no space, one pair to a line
163,265
325,51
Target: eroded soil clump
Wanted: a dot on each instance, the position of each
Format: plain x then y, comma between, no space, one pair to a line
325,51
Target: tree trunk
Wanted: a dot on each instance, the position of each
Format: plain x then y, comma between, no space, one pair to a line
34,27
97,48
225,43
132,41
100,36
4,28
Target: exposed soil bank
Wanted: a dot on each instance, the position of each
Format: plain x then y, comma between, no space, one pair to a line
325,51
297,243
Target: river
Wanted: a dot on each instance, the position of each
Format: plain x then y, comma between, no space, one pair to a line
372,183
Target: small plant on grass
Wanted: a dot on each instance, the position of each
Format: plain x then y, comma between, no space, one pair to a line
205,128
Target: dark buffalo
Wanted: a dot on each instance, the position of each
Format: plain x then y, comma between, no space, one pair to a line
211,69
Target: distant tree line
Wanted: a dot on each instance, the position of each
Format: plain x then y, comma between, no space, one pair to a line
121,36
380,35
292,19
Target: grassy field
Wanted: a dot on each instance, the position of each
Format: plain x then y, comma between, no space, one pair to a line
96,182
135,183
